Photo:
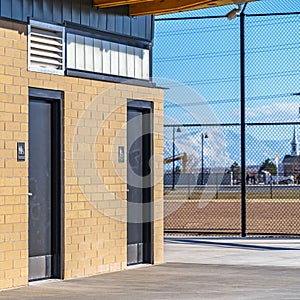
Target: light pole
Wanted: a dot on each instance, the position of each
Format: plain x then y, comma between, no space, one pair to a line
173,157
203,136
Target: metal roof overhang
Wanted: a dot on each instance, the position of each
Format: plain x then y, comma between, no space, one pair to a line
158,7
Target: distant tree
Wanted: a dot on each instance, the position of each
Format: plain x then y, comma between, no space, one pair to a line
236,171
177,170
269,166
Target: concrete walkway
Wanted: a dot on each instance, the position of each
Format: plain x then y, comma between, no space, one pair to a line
234,251
195,269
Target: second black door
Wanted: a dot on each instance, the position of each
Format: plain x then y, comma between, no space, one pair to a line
139,204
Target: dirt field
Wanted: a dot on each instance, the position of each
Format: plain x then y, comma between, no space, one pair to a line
206,214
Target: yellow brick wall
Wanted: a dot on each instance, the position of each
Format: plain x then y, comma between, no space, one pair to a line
13,174
95,184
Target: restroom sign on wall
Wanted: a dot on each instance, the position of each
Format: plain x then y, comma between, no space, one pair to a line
21,151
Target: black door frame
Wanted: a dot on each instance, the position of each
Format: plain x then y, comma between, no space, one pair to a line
55,98
146,107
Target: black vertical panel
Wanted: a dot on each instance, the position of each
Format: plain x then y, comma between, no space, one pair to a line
67,11
17,12
76,11
27,9
40,178
147,183
85,13
6,8
57,187
111,22
102,21
57,11
48,10
38,9
126,25
135,177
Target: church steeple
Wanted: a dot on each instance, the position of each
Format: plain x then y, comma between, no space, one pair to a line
294,144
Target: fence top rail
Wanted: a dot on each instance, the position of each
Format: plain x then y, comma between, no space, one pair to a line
220,17
202,125
231,124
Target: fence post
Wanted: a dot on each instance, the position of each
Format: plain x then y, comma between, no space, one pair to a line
173,158
189,186
271,190
243,135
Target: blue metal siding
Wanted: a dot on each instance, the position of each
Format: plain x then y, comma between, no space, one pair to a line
66,11
75,14
48,10
79,12
85,12
37,9
94,18
111,22
127,25
119,24
6,8
27,8
17,9
102,21
57,11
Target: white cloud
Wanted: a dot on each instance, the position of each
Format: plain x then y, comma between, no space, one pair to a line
287,111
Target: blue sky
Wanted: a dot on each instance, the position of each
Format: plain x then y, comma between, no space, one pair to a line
203,55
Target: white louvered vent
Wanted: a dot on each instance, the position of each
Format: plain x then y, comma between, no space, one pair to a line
46,48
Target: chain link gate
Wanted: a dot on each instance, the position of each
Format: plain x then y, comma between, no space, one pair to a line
232,161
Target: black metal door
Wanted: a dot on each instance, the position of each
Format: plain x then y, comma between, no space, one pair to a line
43,208
138,195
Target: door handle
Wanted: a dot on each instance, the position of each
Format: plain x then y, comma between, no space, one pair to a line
30,194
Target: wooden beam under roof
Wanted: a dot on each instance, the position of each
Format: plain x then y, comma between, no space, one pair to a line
158,7
112,3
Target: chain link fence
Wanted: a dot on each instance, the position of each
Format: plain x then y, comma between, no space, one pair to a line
232,116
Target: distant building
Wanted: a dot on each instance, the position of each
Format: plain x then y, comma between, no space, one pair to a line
252,174
291,163
294,144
